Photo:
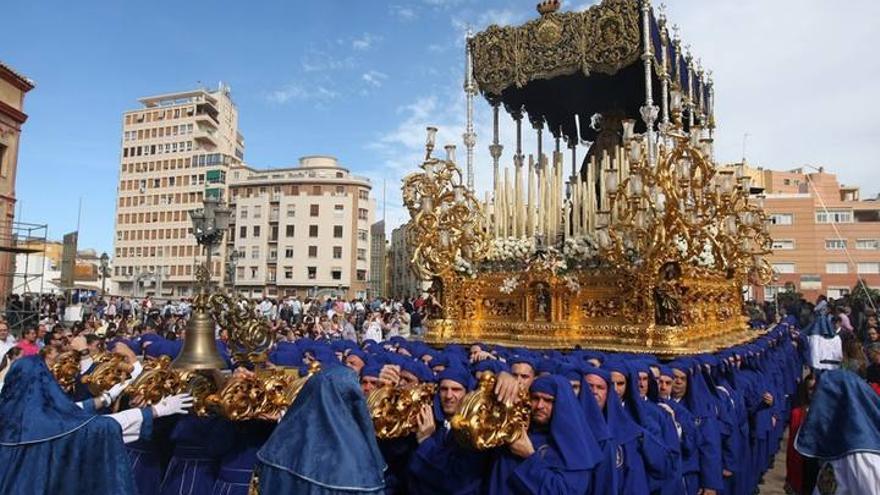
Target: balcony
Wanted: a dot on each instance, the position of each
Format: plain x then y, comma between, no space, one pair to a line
205,119
205,136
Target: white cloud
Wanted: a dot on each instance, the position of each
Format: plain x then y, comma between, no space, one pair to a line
364,42
300,92
402,12
374,78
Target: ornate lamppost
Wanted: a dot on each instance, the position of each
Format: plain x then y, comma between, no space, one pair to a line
231,265
209,224
105,272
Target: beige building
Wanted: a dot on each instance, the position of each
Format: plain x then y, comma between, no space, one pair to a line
825,236
301,231
176,148
13,87
403,281
378,255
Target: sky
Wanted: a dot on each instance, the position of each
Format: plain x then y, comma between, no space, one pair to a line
361,79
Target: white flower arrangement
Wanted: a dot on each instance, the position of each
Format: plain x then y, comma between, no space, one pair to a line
464,267
706,258
580,247
681,245
511,249
572,284
509,285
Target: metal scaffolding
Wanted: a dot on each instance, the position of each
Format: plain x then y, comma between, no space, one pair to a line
23,277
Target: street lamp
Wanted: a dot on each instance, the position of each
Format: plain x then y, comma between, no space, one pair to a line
209,224
230,268
105,272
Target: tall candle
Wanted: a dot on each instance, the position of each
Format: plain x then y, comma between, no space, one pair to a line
530,206
519,213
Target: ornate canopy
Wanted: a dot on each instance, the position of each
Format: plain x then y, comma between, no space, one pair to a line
564,67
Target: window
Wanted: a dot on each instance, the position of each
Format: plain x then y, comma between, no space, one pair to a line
362,235
253,272
362,194
340,190
362,213
361,275
338,211
337,231
781,219
313,272
337,252
835,244
291,211
362,254
837,292
255,253
869,267
242,232
316,190
313,251
313,231
782,244
771,291
783,267
288,272
258,211
834,216
872,244
313,210
288,230
256,231
336,274
288,252
836,267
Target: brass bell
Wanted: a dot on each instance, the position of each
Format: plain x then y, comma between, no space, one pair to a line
199,347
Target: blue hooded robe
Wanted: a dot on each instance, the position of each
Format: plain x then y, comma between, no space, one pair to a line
330,422
440,465
628,436
48,444
565,451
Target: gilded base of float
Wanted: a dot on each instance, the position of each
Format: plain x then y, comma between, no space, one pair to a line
661,341
591,310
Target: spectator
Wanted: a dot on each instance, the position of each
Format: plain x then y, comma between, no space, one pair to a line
28,342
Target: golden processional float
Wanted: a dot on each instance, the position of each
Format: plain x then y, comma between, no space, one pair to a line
639,245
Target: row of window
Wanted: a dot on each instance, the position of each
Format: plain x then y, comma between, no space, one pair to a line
157,115
288,253
176,163
823,216
831,244
289,190
244,273
865,268
157,149
289,231
158,132
152,216
141,185
161,200
159,251
154,234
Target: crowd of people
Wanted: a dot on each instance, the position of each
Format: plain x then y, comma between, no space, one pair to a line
601,423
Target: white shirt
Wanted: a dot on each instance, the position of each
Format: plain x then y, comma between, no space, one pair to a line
824,349
855,474
373,332
5,345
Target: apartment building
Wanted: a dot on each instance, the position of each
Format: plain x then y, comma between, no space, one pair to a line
176,149
377,259
403,281
13,87
302,231
825,236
